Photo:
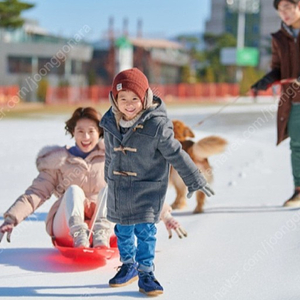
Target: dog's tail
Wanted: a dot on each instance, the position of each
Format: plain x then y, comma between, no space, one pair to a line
209,146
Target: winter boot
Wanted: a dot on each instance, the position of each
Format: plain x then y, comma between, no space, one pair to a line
149,285
294,201
79,232
127,274
101,234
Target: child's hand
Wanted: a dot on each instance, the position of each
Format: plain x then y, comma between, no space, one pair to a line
6,227
172,224
207,190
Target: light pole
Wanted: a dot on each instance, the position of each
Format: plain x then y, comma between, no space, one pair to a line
240,43
241,24
241,7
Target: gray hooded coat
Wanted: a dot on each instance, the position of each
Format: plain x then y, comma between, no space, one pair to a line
137,166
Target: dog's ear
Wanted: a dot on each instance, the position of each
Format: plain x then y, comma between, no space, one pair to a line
188,132
177,127
182,132
175,123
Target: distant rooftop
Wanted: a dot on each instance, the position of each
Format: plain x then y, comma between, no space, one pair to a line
32,27
155,43
141,42
31,32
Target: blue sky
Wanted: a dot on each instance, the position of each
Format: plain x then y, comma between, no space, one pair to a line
160,18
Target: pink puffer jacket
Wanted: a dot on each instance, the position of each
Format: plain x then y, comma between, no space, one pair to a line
58,169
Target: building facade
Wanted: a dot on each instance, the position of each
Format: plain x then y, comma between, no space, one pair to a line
160,60
30,56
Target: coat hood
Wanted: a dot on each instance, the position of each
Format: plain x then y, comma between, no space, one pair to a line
54,157
157,109
51,157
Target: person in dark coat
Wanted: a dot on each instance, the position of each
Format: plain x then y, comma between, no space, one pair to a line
285,64
140,146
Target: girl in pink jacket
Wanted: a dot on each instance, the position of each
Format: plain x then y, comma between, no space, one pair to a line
75,175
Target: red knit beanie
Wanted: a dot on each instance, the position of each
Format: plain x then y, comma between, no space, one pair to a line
133,80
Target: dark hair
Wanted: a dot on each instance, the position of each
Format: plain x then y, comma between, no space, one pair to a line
276,2
83,113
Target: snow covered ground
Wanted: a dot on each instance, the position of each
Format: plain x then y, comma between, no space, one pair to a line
245,246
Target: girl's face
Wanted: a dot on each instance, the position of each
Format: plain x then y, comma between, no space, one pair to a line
289,13
129,104
86,134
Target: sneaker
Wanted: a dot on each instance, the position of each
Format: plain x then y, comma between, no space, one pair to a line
127,274
149,285
80,235
294,201
101,236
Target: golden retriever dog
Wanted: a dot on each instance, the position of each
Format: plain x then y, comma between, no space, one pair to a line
199,152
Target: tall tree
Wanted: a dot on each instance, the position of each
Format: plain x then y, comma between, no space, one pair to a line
192,44
10,13
214,44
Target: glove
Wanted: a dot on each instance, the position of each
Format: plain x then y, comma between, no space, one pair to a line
207,190
172,223
264,83
260,85
7,227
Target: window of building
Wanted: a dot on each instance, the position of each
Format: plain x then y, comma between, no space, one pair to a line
78,67
19,64
51,65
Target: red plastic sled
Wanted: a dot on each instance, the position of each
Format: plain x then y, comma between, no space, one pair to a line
89,254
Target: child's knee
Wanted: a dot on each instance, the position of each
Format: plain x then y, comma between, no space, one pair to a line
75,192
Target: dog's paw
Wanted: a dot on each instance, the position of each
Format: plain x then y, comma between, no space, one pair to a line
198,210
178,205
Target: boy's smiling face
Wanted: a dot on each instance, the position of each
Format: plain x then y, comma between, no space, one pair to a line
129,104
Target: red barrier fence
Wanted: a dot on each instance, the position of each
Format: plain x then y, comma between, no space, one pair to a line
200,91
196,92
7,93
77,94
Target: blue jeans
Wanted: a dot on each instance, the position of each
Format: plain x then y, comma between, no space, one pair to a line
143,253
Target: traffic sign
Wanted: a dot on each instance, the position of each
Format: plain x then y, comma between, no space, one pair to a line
247,57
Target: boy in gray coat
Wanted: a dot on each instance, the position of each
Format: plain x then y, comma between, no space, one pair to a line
140,146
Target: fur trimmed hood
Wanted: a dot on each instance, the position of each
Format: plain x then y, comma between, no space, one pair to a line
51,157
54,157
